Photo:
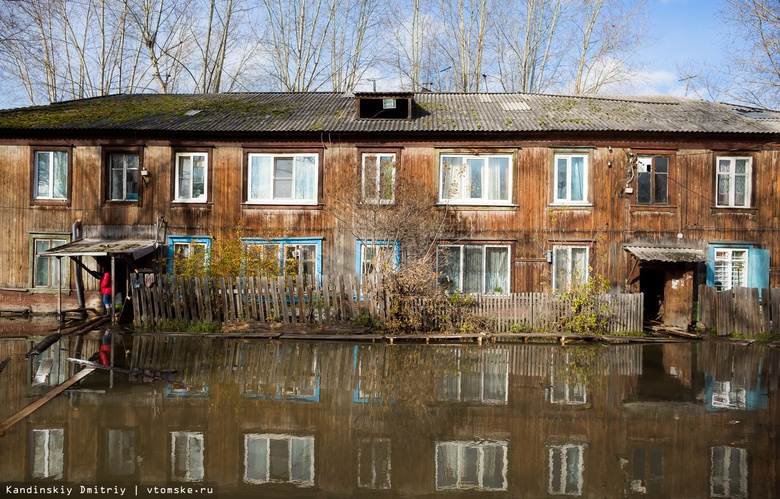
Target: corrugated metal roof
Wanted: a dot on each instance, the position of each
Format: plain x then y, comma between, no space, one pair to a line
104,247
433,112
667,254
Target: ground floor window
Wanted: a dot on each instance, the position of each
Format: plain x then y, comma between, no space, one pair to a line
46,272
295,256
737,265
731,266
474,268
570,266
377,256
187,254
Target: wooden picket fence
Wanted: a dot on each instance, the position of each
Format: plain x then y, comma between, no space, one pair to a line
743,311
345,298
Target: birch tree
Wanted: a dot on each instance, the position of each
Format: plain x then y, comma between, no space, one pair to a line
756,57
465,26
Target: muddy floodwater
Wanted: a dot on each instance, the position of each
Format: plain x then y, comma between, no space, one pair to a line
264,418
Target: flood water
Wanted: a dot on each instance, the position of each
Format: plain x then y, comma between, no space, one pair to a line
261,418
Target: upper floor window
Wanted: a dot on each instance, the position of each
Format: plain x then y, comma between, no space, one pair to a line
282,178
570,266
191,177
566,469
275,458
187,456
652,180
122,176
378,178
51,175
475,268
571,179
478,465
729,468
475,179
48,453
733,181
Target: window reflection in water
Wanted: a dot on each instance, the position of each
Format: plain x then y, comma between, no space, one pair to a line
566,469
278,458
374,463
471,465
48,453
187,456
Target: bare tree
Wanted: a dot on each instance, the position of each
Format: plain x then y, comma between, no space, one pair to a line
756,58
356,41
466,24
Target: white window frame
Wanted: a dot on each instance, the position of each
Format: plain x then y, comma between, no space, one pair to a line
125,171
724,258
272,197
48,460
53,176
377,452
721,484
569,271
461,183
567,199
375,183
187,197
307,481
558,454
484,247
194,469
461,470
730,162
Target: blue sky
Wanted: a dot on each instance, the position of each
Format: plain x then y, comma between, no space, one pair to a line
680,31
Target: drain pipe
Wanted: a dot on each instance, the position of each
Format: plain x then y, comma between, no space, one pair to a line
75,236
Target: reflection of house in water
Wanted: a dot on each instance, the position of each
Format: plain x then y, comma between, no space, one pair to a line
415,421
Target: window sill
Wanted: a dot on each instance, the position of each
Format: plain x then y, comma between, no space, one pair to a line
477,207
736,210
191,204
122,202
48,291
280,206
51,202
653,208
571,206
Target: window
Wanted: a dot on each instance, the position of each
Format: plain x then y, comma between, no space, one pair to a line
652,180
188,253
378,178
730,268
566,467
122,176
191,177
380,256
571,179
51,175
187,456
726,395
48,453
471,465
374,464
729,472
481,376
46,269
570,266
475,179
282,178
279,459
733,182
474,268
295,256
120,457
647,471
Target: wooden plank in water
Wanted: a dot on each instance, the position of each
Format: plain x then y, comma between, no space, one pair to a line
41,401
331,337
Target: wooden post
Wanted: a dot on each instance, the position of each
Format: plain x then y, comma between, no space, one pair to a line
113,319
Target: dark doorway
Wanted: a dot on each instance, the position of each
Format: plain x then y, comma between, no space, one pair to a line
651,282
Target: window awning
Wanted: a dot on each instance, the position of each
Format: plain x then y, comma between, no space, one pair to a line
667,254
135,248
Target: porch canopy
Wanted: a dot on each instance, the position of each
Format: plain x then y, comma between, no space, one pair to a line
667,254
136,248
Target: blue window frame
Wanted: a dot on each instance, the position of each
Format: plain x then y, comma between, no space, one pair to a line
731,265
184,246
376,256
298,255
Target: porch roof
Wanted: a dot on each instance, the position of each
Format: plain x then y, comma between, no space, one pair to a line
135,248
667,254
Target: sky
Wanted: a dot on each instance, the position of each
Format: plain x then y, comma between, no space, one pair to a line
680,31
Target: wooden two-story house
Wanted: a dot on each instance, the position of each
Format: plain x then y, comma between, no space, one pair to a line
516,192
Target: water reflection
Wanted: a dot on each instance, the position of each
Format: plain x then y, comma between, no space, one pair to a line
275,418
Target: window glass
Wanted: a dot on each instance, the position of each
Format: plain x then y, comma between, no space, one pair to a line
51,175
570,266
474,268
191,177
123,176
733,182
483,179
282,178
571,177
730,268
45,268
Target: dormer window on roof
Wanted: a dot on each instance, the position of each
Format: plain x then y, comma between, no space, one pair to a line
393,106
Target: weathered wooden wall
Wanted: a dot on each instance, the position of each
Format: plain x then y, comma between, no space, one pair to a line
531,226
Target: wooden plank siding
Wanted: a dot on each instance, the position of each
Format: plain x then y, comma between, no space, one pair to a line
531,226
